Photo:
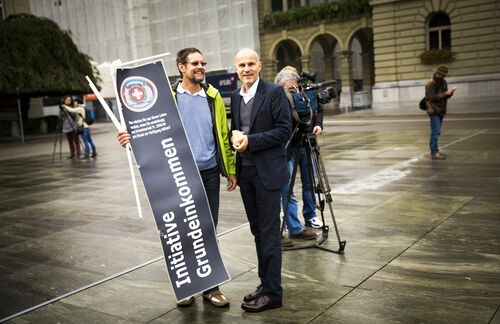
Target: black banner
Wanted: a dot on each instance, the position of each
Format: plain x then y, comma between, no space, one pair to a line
171,178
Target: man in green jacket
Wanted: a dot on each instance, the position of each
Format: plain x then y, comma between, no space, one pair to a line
204,117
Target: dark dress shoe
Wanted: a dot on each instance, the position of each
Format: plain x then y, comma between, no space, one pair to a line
261,304
256,294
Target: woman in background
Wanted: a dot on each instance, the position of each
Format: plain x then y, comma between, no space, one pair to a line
70,127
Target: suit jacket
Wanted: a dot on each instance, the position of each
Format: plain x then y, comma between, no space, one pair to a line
270,129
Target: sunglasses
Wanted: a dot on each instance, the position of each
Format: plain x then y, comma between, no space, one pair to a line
197,63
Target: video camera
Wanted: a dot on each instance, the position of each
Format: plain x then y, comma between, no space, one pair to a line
307,96
324,95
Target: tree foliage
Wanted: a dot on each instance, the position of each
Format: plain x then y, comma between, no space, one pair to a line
41,59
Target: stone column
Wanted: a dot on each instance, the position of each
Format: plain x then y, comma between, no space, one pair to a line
346,101
329,67
305,63
269,70
367,71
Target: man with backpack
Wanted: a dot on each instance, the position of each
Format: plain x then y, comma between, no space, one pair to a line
437,95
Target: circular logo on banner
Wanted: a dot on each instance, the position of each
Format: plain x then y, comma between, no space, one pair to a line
138,93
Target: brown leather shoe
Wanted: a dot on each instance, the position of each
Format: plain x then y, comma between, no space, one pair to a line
286,242
305,235
438,156
216,298
256,294
185,302
261,304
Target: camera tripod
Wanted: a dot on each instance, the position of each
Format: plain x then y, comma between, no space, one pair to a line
318,182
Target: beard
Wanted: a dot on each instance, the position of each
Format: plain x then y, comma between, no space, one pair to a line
193,78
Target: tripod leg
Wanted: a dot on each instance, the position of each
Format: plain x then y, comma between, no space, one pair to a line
324,187
55,147
60,145
312,181
57,138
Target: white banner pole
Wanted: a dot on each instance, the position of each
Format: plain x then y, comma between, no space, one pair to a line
105,105
150,58
20,115
112,70
119,127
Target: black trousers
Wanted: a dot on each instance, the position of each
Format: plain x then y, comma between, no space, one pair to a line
263,212
211,182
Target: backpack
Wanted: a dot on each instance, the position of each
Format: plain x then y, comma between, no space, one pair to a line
301,103
89,116
423,104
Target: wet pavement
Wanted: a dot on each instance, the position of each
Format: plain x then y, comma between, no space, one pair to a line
423,236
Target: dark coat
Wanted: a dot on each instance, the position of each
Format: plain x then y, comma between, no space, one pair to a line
436,98
270,129
317,120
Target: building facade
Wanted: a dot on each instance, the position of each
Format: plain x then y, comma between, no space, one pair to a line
133,29
13,7
405,29
383,56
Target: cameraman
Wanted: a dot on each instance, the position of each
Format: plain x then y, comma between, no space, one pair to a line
289,79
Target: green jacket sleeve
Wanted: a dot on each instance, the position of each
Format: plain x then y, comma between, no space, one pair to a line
223,133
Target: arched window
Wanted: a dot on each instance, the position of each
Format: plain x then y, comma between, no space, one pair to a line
439,31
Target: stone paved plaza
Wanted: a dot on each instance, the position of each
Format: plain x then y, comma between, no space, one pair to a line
423,236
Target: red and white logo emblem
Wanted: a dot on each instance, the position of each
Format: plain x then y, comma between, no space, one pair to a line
138,93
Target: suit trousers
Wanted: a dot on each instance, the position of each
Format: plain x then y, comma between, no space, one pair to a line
263,212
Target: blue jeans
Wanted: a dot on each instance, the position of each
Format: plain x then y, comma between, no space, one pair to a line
308,210
86,140
436,123
291,219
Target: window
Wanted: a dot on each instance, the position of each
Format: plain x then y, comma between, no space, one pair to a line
439,32
284,5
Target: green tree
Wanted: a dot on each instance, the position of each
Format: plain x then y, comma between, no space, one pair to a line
41,59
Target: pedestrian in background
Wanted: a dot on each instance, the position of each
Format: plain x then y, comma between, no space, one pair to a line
437,95
87,139
70,127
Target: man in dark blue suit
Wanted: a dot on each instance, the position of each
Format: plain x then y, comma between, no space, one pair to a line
261,127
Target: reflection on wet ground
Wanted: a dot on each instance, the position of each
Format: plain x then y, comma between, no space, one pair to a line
423,240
